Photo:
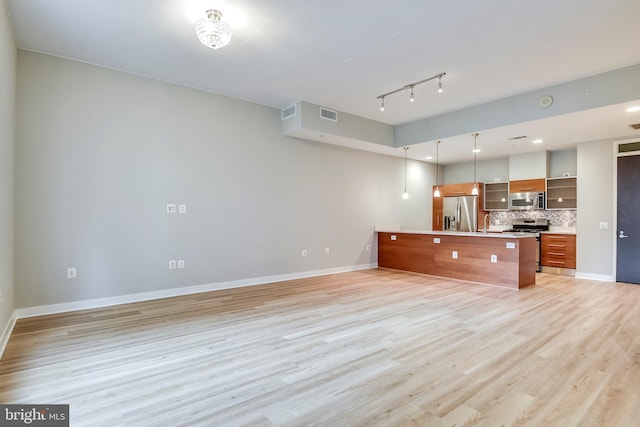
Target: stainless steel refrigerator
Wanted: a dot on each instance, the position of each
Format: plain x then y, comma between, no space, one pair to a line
460,213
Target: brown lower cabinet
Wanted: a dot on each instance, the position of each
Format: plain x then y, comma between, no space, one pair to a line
558,250
433,254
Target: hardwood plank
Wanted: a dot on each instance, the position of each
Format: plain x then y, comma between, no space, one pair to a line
374,347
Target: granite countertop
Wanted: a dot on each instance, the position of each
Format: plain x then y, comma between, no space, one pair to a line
560,230
494,235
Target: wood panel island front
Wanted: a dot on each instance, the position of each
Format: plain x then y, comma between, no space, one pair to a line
501,259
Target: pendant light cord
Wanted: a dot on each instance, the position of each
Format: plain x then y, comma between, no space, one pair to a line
405,169
437,165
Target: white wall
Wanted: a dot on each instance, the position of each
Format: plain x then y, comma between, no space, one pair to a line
100,153
7,143
594,249
486,171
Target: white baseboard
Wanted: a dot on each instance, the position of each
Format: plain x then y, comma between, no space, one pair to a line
599,277
146,296
4,337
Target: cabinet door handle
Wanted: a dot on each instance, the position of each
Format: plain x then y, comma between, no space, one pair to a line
556,253
551,245
557,262
526,189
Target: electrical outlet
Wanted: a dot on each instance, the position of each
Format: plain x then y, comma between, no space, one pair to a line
393,237
511,245
182,208
368,247
172,264
454,254
436,240
72,273
304,252
604,226
326,251
180,263
494,258
171,208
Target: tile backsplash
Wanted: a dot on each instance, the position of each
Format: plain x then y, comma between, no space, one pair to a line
559,218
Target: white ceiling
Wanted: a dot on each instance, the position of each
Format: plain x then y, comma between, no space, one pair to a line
343,54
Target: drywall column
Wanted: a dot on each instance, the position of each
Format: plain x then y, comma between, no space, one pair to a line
7,145
594,246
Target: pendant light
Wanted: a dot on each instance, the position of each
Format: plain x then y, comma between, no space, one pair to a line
405,195
436,193
474,191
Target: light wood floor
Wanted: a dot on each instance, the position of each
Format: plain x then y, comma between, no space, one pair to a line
374,348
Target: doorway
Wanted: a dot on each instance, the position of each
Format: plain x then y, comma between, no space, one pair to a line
628,214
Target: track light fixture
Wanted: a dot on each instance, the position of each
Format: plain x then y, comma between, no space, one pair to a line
410,87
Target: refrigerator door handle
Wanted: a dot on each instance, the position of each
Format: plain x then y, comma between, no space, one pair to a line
458,212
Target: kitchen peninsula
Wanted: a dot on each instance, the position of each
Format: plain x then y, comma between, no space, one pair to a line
501,259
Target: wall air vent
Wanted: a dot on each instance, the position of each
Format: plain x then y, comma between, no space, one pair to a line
328,114
635,126
517,137
289,112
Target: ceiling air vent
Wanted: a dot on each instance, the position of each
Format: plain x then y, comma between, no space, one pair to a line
328,114
289,112
517,137
636,126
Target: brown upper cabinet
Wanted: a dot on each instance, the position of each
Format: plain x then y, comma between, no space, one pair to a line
457,189
527,186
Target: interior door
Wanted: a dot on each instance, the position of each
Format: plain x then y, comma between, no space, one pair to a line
628,247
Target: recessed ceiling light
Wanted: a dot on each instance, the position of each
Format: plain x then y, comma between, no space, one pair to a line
429,157
633,109
537,141
475,150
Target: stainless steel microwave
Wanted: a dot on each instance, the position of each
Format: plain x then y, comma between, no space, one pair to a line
526,201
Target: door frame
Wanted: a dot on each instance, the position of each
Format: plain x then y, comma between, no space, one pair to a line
616,155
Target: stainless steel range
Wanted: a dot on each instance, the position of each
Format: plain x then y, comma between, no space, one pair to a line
524,225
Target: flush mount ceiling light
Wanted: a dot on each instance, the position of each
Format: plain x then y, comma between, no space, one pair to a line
410,87
212,31
633,109
537,141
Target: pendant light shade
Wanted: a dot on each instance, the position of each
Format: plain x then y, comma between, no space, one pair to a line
474,191
436,193
405,195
